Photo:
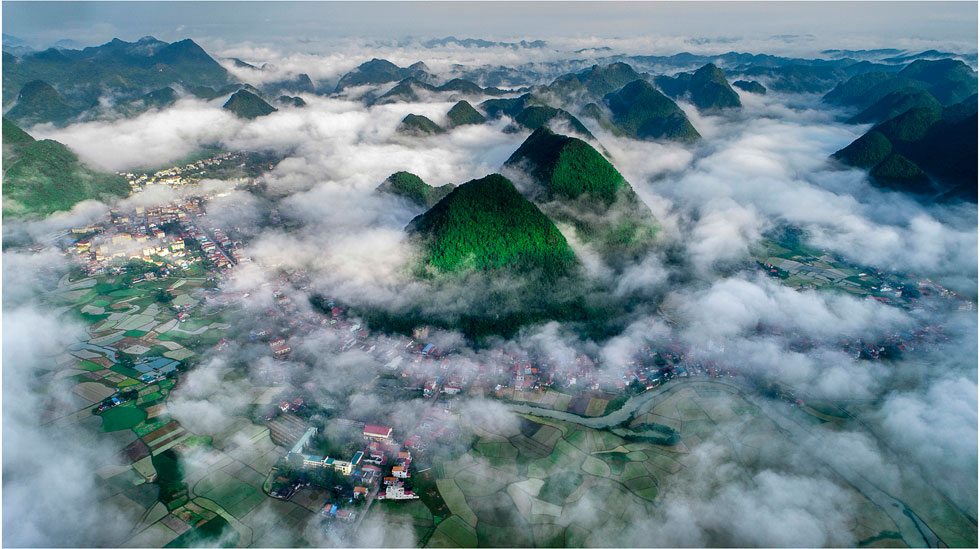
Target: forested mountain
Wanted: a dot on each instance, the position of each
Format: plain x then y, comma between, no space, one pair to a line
707,88
418,125
462,114
124,68
246,104
411,186
575,184
486,224
38,102
381,71
639,110
923,150
40,177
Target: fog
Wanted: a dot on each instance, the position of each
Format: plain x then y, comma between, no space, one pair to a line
757,169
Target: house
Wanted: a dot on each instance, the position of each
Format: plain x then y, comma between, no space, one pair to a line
360,491
397,491
377,432
399,472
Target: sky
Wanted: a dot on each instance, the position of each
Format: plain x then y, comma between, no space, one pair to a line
787,27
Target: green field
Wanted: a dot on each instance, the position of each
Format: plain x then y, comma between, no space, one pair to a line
122,417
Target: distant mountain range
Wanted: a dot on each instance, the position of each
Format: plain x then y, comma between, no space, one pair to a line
127,68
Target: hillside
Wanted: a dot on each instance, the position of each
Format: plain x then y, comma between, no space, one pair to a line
246,104
462,114
594,82
411,186
707,86
949,81
918,144
126,69
486,224
380,71
38,102
750,86
41,177
418,125
897,103
641,111
576,184
538,116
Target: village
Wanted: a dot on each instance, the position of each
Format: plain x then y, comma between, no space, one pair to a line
149,281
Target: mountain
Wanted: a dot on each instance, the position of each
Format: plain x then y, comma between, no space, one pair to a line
922,143
574,183
412,187
301,83
895,104
486,224
538,116
750,86
246,104
291,101
798,78
418,125
480,43
948,80
156,99
594,82
41,177
409,88
462,114
707,86
126,69
641,111
380,71
511,106
38,102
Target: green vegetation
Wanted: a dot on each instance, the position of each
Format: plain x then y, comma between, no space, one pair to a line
38,102
750,86
170,476
897,171
568,167
377,71
157,99
208,534
866,152
463,114
122,68
41,177
122,417
707,86
642,112
922,144
413,188
246,104
418,125
595,81
559,486
538,116
949,80
592,194
897,103
486,224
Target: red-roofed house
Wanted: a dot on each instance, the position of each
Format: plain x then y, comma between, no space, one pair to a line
377,432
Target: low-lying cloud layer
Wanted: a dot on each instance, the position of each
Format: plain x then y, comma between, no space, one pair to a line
756,169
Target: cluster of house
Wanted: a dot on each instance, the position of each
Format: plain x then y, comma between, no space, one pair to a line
102,248
380,453
188,174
